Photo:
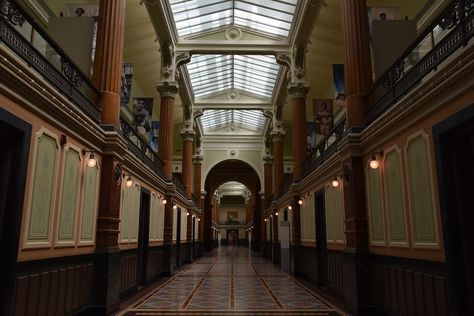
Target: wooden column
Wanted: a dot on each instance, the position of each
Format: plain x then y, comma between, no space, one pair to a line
298,93
268,177
277,140
296,222
107,79
108,59
358,81
168,93
357,60
187,162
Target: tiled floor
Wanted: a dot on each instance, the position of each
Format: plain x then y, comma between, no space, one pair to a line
231,281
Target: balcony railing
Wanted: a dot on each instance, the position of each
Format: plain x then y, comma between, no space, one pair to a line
24,36
325,149
230,223
140,147
448,32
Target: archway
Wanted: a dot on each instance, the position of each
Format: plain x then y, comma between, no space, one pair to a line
231,170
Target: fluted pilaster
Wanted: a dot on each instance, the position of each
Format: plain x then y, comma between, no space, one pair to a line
357,61
298,93
108,58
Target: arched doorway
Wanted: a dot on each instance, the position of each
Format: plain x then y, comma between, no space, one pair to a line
233,171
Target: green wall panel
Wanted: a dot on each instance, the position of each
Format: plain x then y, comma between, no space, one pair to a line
43,189
376,206
89,205
394,195
421,197
72,167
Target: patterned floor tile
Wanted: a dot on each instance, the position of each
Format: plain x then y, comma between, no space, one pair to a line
231,281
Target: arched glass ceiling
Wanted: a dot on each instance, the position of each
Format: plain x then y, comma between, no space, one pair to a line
273,17
249,119
254,74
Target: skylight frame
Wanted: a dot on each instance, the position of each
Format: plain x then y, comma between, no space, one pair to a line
214,119
272,17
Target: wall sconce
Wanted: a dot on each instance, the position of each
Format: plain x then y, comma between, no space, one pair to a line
199,219
374,163
276,213
164,201
129,181
91,161
300,201
265,219
175,206
187,213
290,207
335,182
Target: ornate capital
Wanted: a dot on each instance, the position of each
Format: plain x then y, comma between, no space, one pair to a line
278,132
298,90
188,133
268,159
167,89
198,157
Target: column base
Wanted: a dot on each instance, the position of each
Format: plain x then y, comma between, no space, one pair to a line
106,287
357,287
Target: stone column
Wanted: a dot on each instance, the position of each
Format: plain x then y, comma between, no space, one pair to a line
108,59
358,82
107,79
297,92
296,222
169,262
277,139
168,93
275,244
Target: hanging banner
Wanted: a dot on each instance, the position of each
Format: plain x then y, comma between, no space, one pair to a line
142,110
126,84
323,117
154,135
340,93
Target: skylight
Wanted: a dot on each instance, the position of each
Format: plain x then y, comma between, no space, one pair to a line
249,119
254,74
273,17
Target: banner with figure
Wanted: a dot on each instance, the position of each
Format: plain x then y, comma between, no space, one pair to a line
142,110
323,117
340,93
126,83
154,135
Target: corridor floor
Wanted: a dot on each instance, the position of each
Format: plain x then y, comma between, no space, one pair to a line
231,281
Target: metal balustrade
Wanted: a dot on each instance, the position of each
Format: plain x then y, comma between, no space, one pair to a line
450,31
25,37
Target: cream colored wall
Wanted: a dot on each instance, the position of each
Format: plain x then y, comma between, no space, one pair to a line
214,156
237,208
307,216
61,193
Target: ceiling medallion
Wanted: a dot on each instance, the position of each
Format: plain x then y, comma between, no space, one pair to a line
233,34
232,153
233,95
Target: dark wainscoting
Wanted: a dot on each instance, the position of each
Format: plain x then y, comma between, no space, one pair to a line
243,242
409,287
183,254
266,249
335,267
155,264
305,262
53,286
128,272
198,249
276,252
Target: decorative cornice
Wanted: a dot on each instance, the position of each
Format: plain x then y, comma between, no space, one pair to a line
298,90
187,134
168,89
278,132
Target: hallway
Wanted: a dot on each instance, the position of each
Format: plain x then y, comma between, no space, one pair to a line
231,281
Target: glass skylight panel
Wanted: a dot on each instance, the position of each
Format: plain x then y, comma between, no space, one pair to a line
269,16
255,74
249,119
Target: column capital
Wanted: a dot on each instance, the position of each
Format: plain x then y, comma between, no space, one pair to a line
187,132
167,89
268,159
197,159
278,132
298,90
